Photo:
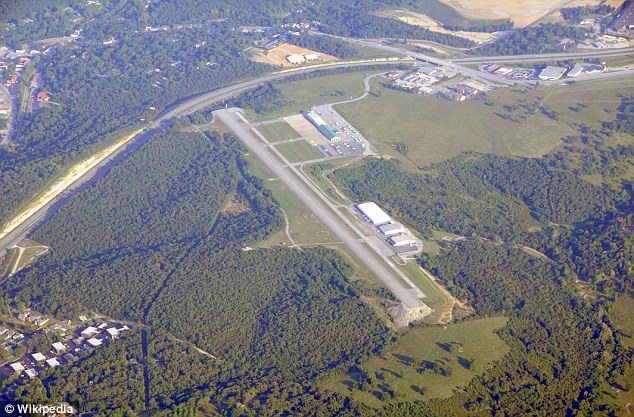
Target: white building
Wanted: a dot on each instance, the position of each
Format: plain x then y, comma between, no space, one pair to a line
39,357
374,213
52,362
89,331
17,367
575,71
402,240
31,373
59,347
295,58
311,57
392,229
552,73
113,332
94,342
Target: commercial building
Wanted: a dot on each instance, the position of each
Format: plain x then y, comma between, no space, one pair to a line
321,125
374,213
295,59
552,73
402,240
575,71
311,57
392,229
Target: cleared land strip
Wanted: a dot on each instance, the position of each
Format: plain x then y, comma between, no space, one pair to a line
330,217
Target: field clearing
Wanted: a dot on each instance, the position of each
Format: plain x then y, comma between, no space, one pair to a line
422,20
622,315
21,256
434,129
472,340
304,227
304,94
277,56
277,132
298,151
521,12
509,122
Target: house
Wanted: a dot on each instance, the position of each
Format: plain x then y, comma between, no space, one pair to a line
113,332
43,96
53,362
88,331
94,342
17,367
38,357
31,373
59,347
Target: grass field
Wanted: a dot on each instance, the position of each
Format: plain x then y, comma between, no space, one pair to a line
304,94
277,132
472,340
21,256
434,297
510,122
622,315
298,151
304,227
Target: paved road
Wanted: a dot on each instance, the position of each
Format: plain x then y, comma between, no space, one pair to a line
604,53
484,76
165,119
330,216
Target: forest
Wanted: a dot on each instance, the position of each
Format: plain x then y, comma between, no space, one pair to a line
155,242
563,347
533,40
104,91
476,195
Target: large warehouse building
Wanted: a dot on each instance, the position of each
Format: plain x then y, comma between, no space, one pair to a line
321,125
392,229
374,213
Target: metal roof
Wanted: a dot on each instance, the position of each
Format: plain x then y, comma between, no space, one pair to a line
552,73
374,213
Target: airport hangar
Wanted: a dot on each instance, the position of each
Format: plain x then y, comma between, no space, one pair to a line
374,213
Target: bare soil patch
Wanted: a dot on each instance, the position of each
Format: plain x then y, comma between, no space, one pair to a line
236,206
521,12
422,20
277,56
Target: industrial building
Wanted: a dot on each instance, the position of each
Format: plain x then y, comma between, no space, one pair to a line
552,73
392,229
295,59
575,71
321,125
374,213
402,240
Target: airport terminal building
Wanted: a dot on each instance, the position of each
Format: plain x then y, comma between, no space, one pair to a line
321,125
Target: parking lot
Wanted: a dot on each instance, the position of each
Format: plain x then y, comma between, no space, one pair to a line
350,142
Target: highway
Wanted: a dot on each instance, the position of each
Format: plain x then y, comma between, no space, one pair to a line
10,236
605,53
457,64
327,213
